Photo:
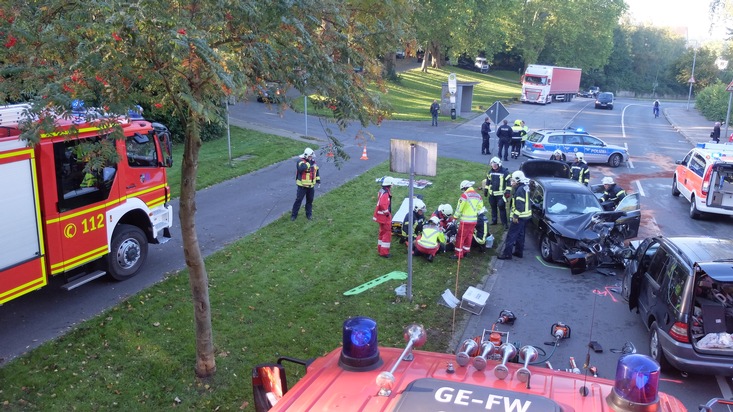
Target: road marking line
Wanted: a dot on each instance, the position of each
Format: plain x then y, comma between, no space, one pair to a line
724,387
641,189
464,135
547,265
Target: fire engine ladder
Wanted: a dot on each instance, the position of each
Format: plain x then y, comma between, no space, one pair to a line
12,115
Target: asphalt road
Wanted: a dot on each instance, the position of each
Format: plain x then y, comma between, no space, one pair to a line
540,294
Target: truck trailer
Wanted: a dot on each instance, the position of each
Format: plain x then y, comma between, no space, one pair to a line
62,216
543,84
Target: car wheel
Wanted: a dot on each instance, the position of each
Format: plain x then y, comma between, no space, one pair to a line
655,347
610,107
546,249
128,251
694,213
675,191
614,160
597,106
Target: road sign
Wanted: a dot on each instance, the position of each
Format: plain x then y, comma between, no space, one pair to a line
452,84
729,88
692,79
497,112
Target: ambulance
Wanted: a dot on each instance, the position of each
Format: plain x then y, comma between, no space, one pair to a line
65,212
705,178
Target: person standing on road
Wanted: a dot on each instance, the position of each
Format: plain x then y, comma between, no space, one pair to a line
307,176
466,213
715,134
613,194
655,108
434,110
485,136
497,187
383,216
521,214
504,134
579,170
518,135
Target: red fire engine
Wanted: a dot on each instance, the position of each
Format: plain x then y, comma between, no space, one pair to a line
60,215
491,375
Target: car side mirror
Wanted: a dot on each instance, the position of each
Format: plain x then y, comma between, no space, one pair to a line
679,162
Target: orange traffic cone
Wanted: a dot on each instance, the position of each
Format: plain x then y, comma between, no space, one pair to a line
363,154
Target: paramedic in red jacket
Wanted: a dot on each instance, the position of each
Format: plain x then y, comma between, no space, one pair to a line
383,216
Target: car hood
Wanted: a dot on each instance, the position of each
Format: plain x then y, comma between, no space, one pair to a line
581,226
544,168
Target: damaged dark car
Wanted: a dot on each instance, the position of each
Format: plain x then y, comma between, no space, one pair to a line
570,223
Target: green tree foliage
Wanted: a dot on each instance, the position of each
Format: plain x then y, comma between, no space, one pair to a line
712,102
189,56
706,72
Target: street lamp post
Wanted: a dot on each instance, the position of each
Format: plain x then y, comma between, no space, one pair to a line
692,78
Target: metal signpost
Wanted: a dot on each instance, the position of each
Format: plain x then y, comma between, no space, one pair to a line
728,89
452,88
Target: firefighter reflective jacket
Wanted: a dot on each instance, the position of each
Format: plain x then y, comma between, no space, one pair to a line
307,174
432,236
520,202
468,206
497,181
383,210
580,172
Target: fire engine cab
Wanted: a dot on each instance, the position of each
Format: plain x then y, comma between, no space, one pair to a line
361,376
705,178
60,213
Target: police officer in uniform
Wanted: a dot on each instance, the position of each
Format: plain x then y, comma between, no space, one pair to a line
504,134
521,214
497,187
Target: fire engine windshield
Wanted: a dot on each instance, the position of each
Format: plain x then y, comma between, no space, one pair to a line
537,80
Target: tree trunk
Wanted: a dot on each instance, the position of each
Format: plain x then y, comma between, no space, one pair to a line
198,278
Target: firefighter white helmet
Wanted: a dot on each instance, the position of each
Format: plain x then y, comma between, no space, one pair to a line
446,209
580,156
307,152
434,220
608,180
518,177
557,152
496,160
418,204
466,184
388,181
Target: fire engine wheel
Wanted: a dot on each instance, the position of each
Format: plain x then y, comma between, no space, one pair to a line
546,249
128,252
655,347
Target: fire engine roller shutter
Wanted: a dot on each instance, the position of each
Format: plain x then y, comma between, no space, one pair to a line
21,263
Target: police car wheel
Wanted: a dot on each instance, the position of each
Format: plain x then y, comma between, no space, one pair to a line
614,160
128,251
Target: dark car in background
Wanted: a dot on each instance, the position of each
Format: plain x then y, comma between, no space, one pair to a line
569,220
682,287
604,100
271,93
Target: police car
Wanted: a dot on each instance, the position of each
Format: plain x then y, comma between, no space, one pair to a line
542,143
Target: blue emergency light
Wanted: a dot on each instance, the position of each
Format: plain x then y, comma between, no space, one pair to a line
136,113
360,351
77,106
636,385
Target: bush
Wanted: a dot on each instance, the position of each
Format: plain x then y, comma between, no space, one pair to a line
209,131
712,102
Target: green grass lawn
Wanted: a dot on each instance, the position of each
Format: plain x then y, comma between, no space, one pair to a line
276,292
411,96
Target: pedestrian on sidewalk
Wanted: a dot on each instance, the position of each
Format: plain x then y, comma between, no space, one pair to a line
383,216
434,110
485,136
715,134
307,176
504,134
